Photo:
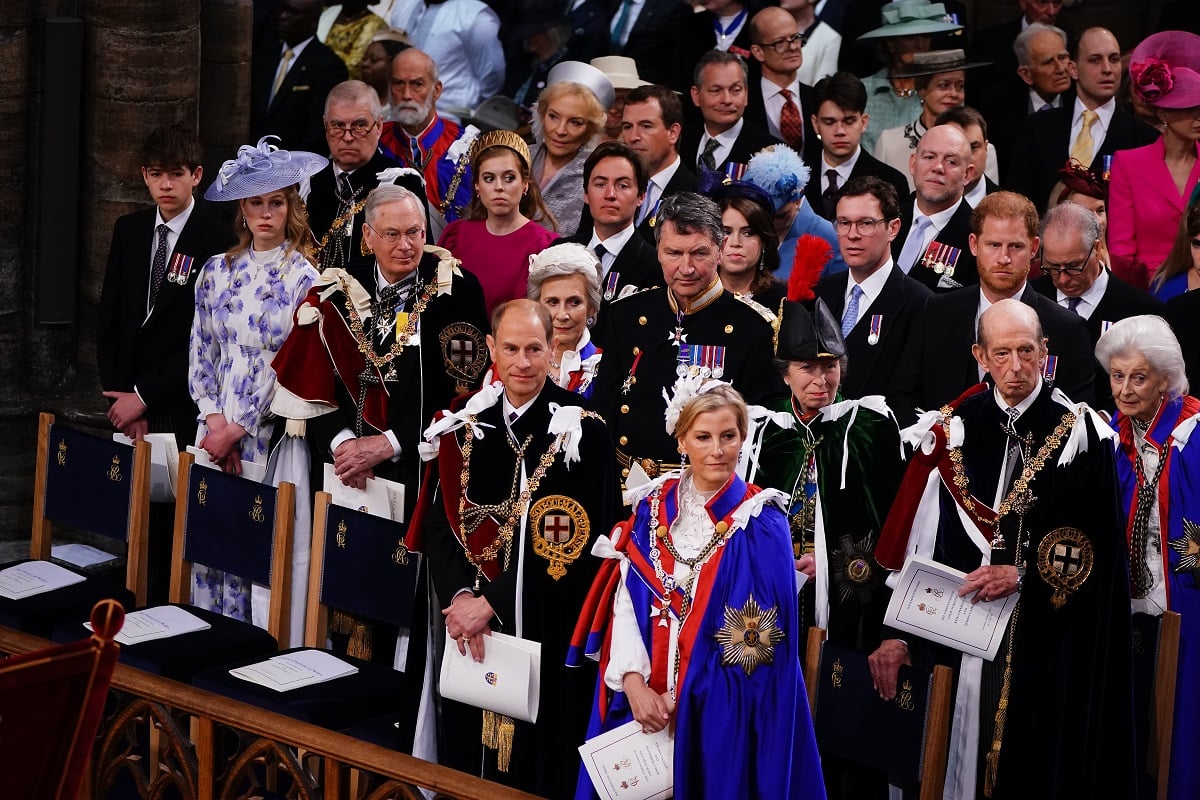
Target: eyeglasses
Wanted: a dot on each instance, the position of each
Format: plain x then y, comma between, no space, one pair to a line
782,45
393,237
358,128
866,227
1070,269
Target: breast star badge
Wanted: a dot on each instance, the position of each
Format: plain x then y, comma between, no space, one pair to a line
1188,548
749,636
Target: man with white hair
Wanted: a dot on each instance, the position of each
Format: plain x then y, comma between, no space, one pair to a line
338,194
422,139
1016,488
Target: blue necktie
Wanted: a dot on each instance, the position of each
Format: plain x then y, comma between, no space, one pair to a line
850,316
619,28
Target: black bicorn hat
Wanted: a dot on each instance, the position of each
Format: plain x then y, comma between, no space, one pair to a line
807,330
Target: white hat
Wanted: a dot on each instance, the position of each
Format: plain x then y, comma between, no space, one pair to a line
584,75
621,70
262,169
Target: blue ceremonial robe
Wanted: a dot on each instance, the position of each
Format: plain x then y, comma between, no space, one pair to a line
1179,515
734,735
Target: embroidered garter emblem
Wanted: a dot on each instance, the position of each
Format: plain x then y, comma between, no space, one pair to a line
560,532
749,636
464,354
1188,548
1064,561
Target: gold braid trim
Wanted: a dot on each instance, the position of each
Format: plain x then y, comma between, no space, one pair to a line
459,170
1016,497
350,214
991,771
402,337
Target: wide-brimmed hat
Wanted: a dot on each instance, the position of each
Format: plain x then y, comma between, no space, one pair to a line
1164,69
621,71
911,18
263,168
585,75
935,62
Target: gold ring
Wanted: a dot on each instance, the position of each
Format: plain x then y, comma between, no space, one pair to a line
465,638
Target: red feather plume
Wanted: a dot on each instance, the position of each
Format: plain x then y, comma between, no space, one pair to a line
812,254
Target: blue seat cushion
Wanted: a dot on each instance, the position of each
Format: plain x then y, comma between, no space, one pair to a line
180,657
40,613
375,689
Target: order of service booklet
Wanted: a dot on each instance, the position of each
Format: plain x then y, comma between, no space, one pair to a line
627,764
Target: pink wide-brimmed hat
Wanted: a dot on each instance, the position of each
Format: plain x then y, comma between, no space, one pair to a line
1165,69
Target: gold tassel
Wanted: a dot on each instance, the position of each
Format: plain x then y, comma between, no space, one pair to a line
360,644
497,734
992,769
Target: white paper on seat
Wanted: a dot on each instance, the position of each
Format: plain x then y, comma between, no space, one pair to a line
294,670
164,464
250,469
81,555
926,602
626,764
507,681
35,577
380,497
159,622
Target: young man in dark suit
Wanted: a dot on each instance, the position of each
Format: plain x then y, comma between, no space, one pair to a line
839,118
650,125
938,364
288,85
614,188
876,302
146,307
148,299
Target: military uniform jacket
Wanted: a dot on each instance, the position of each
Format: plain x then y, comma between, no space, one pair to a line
724,334
567,510
319,366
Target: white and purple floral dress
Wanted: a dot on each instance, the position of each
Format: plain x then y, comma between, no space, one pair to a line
244,312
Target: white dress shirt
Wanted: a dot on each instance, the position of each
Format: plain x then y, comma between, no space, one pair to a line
843,170
939,220
773,101
1090,299
1104,115
871,288
725,142
612,248
655,188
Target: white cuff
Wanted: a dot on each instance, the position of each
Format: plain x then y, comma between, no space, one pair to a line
344,435
395,443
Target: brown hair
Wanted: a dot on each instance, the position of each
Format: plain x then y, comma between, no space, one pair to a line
763,225
532,205
716,398
296,231
1008,205
1179,260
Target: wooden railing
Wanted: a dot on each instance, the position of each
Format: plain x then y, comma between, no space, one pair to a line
163,737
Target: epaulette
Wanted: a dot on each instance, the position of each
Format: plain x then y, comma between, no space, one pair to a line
764,312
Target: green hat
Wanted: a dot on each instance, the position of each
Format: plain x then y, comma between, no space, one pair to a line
912,18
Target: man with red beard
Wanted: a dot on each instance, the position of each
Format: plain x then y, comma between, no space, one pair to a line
937,363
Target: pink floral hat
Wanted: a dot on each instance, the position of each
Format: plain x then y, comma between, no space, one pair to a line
1165,69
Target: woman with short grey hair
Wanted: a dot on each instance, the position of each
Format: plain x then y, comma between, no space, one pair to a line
565,279
1158,468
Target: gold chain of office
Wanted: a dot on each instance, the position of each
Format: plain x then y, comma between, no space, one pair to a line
1017,497
402,337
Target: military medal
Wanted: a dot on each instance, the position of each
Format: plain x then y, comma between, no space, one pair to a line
610,286
1051,368
734,171
876,326
630,379
718,368
705,363
181,268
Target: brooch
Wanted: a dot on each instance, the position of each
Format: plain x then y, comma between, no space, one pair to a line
749,636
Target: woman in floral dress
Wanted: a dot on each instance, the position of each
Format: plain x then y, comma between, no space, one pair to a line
245,299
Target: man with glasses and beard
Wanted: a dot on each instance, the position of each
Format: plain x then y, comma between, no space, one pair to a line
425,141
338,194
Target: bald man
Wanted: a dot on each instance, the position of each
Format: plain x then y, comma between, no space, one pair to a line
1022,500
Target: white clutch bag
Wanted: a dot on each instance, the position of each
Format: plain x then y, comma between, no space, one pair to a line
507,681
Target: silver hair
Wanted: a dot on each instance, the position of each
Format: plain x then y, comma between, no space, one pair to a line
1022,44
1152,338
691,213
390,193
434,77
1073,218
719,57
355,92
560,261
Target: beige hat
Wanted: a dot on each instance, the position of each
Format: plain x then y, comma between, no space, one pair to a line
621,70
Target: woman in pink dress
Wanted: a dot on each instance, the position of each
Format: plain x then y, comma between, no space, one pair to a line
499,233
